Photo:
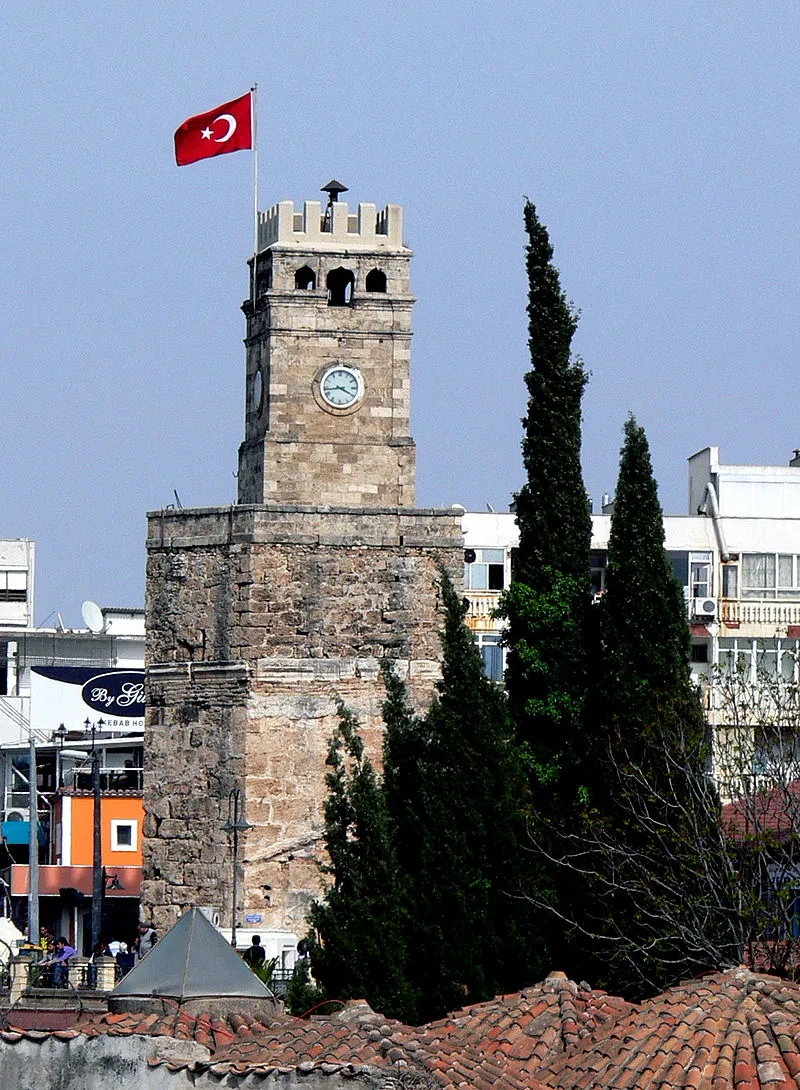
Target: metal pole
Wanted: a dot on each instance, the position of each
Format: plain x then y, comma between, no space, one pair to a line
235,861
97,872
234,825
33,847
254,121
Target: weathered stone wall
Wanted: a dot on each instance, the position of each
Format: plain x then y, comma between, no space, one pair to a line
258,619
163,1063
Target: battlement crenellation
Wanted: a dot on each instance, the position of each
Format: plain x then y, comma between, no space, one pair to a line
367,229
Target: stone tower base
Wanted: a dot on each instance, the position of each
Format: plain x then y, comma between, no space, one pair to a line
258,619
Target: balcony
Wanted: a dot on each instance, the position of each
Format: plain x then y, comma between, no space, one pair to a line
482,604
773,615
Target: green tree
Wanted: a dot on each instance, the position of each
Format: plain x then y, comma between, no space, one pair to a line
661,812
646,688
356,939
552,508
546,608
455,792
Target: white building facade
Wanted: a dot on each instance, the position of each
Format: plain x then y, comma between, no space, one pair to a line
736,553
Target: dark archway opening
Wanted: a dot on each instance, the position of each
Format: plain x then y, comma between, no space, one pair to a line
376,280
304,279
340,284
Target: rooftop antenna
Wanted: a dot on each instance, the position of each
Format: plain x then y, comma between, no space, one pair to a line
333,189
177,499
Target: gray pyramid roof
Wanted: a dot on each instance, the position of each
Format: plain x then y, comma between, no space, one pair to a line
192,961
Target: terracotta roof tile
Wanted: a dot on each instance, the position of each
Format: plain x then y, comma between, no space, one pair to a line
736,1030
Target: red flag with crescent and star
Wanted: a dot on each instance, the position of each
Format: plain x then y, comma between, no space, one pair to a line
227,128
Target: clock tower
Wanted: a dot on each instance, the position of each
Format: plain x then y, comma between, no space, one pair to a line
327,371
263,615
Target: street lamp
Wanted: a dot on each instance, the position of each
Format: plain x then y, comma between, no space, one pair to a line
235,824
60,736
97,861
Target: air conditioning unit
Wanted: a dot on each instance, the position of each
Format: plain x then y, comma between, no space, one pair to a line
17,813
704,608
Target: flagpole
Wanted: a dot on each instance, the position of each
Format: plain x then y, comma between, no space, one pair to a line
254,96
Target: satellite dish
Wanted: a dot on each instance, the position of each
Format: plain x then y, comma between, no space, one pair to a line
93,616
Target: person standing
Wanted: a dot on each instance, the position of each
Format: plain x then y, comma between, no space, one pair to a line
254,954
146,940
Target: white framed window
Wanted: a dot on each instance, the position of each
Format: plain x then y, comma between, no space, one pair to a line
730,580
13,586
124,835
491,651
699,575
771,575
484,569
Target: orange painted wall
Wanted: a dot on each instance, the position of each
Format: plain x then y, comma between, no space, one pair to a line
111,809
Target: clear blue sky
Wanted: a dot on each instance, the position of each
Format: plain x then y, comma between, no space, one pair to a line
659,142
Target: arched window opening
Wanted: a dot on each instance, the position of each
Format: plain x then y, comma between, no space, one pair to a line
304,279
376,280
340,287
263,278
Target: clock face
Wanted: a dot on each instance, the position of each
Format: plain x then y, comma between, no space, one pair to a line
341,387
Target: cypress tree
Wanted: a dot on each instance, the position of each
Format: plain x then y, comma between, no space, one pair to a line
552,509
546,607
667,912
356,939
645,678
455,792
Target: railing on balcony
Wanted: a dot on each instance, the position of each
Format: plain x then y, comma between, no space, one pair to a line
772,614
76,974
111,779
482,604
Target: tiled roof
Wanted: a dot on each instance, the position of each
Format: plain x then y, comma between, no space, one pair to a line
521,1033
497,1045
777,810
735,1029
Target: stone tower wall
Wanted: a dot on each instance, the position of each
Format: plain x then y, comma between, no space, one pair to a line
258,619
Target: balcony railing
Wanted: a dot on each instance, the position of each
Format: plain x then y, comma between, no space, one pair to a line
772,614
76,974
482,604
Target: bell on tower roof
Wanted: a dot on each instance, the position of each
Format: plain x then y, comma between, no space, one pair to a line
333,189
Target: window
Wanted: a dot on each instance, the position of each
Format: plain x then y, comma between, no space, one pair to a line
699,652
492,654
680,567
770,575
597,572
758,660
124,836
376,280
340,287
730,580
304,279
13,586
484,569
700,575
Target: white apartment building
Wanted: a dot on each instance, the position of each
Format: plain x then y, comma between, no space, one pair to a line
736,553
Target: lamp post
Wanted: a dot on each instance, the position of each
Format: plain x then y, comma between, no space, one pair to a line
60,736
33,846
235,824
97,861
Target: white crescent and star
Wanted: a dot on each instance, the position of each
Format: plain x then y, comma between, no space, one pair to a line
207,133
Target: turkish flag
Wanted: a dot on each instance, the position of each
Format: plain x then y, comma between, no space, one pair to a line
228,128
